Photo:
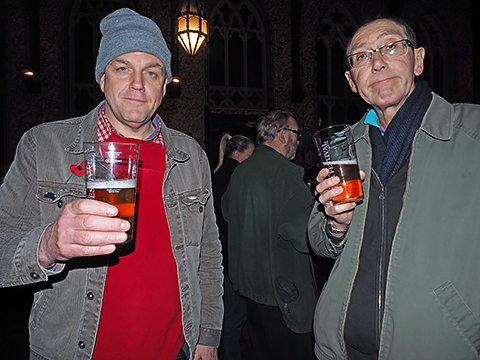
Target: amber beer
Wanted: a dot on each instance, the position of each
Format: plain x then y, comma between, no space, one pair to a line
347,171
111,176
336,147
120,193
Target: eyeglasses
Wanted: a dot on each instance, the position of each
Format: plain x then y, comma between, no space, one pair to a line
389,51
297,132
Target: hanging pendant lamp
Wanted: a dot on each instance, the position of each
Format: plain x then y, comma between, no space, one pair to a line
192,27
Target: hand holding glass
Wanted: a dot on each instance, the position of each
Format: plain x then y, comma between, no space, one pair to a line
336,148
111,176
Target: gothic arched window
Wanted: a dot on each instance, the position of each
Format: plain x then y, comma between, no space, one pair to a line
83,38
237,57
336,101
431,38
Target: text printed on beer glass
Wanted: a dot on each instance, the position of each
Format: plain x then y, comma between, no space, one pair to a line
336,148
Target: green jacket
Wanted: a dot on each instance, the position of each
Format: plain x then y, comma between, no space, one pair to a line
432,300
267,206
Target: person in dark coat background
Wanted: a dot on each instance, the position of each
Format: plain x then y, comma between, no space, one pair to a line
233,150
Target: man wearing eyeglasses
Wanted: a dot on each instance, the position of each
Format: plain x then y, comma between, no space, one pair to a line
405,281
267,206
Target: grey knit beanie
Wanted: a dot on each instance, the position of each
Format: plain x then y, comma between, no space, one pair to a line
126,31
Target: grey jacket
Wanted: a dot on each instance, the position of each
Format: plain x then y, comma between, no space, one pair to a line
66,308
432,299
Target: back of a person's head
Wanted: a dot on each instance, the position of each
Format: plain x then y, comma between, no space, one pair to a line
229,144
269,124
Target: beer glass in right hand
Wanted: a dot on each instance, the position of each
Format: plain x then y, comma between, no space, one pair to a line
111,176
336,148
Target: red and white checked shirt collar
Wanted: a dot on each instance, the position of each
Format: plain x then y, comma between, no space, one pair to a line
105,128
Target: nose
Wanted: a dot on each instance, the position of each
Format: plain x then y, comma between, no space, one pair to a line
137,82
378,61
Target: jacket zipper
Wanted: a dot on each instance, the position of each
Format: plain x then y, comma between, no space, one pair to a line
382,255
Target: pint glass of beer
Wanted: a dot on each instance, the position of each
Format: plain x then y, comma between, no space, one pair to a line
336,148
111,176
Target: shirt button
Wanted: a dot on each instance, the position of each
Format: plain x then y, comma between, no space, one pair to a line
200,209
34,275
90,296
81,344
60,203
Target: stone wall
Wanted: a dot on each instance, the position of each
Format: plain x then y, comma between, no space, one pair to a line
24,109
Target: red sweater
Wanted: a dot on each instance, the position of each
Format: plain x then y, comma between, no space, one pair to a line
141,314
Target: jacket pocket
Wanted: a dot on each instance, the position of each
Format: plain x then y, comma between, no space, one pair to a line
54,196
50,192
193,213
461,313
287,291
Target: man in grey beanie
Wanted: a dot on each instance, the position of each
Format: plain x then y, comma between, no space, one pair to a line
157,297
126,31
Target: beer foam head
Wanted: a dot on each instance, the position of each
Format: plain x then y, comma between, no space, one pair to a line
112,184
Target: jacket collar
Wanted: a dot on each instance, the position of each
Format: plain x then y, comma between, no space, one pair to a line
87,132
173,152
437,122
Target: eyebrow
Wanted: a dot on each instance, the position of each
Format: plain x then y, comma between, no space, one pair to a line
382,35
156,64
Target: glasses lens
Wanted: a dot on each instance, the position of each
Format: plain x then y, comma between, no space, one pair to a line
396,48
359,59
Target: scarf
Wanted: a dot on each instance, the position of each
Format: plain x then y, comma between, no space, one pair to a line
392,150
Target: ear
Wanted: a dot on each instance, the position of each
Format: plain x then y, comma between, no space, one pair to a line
419,60
282,137
165,86
235,155
348,75
102,83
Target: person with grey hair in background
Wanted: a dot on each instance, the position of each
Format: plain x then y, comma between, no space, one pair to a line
266,207
157,297
233,150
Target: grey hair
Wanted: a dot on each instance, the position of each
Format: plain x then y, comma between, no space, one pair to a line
229,144
407,28
270,124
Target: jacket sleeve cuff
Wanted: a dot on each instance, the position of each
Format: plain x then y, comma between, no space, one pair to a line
334,244
209,337
335,240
